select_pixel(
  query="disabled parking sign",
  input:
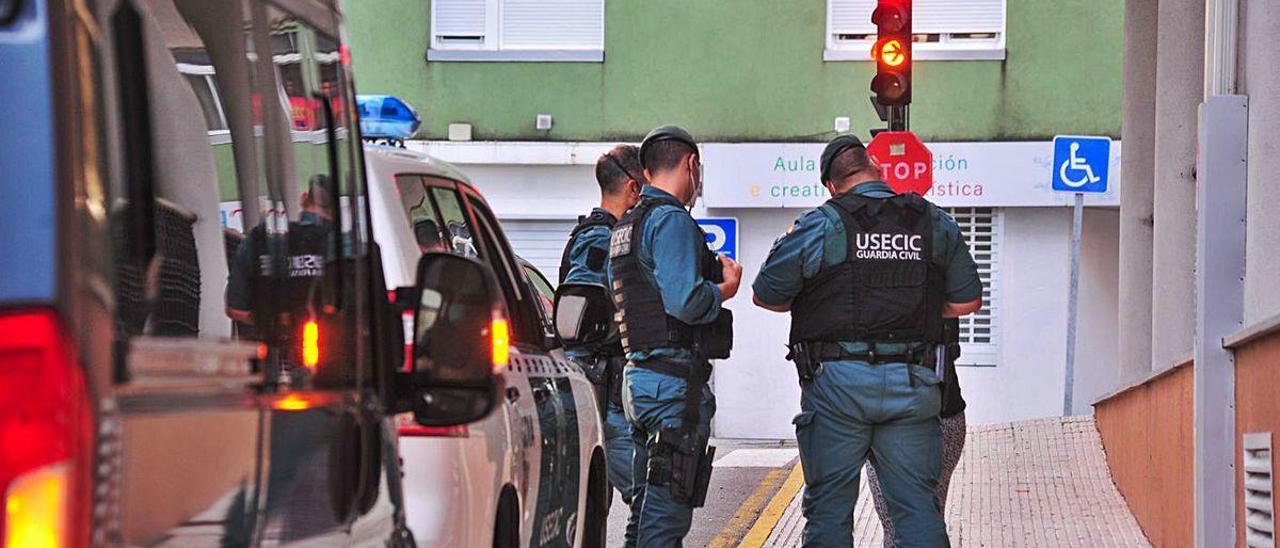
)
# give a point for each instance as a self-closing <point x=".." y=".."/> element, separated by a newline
<point x="1081" y="164"/>
<point x="722" y="235"/>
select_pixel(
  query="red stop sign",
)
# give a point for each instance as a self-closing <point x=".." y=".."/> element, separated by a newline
<point x="905" y="163"/>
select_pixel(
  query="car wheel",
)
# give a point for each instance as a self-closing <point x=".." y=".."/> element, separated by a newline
<point x="506" y="526"/>
<point x="596" y="522"/>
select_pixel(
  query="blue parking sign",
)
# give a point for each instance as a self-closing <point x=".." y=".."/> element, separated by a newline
<point x="1081" y="164"/>
<point x="722" y="235"/>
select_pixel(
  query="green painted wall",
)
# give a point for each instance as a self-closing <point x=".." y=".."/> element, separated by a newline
<point x="749" y="70"/>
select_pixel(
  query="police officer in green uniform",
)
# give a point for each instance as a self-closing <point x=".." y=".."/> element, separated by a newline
<point x="868" y="278"/>
<point x="586" y="261"/>
<point x="669" y="288"/>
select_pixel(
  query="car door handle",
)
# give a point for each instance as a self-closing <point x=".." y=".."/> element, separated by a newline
<point x="513" y="394"/>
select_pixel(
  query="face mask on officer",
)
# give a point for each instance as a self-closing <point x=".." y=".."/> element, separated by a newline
<point x="695" y="180"/>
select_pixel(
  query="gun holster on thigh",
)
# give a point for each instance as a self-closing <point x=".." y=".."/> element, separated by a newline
<point x="687" y="459"/>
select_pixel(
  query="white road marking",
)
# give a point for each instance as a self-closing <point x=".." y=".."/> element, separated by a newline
<point x="758" y="458"/>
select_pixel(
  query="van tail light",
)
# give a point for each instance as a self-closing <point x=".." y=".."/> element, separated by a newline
<point x="409" y="428"/>
<point x="45" y="432"/>
<point x="500" y="331"/>
<point x="311" y="344"/>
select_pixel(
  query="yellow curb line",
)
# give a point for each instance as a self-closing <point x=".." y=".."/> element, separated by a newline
<point x="759" y="532"/>
<point x="748" y="510"/>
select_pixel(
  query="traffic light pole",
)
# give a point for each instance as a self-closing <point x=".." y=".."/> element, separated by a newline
<point x="899" y="117"/>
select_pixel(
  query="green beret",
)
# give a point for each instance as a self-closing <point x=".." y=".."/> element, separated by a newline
<point x="665" y="133"/>
<point x="840" y="144"/>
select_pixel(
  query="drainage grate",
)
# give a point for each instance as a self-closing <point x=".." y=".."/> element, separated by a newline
<point x="1259" y="507"/>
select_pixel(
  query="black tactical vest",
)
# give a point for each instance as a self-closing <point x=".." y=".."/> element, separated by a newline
<point x="596" y="218"/>
<point x="887" y="290"/>
<point x="289" y="273"/>
<point x="644" y="324"/>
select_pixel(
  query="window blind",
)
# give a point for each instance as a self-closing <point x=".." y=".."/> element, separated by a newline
<point x="853" y="17"/>
<point x="552" y="24"/>
<point x="459" y="19"/>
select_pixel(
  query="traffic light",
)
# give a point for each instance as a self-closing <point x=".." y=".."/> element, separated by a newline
<point x="892" y="52"/>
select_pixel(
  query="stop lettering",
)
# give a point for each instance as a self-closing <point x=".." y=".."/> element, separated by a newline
<point x="905" y="163"/>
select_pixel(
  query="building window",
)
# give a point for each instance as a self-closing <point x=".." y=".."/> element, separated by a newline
<point x="943" y="29"/>
<point x="983" y="228"/>
<point x="517" y="30"/>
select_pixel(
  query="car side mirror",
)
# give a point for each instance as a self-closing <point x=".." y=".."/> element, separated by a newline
<point x="460" y="342"/>
<point x="583" y="313"/>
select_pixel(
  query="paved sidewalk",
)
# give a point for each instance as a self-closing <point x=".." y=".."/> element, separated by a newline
<point x="1034" y="483"/>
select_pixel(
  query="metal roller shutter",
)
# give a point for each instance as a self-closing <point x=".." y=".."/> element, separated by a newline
<point x="983" y="230"/>
<point x="540" y="242"/>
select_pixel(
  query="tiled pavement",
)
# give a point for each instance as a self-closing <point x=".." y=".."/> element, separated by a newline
<point x="1035" y="483"/>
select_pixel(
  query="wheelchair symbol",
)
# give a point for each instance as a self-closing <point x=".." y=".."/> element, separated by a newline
<point x="1076" y="164"/>
<point x="716" y="236"/>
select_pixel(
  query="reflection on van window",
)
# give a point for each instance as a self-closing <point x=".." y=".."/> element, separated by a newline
<point x="234" y="212"/>
<point x="167" y="214"/>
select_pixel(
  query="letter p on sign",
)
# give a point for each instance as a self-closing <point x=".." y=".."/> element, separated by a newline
<point x="905" y="163"/>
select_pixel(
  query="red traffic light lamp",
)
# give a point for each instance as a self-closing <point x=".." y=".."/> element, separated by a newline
<point x="892" y="52"/>
<point x="891" y="86"/>
<point x="892" y="16"/>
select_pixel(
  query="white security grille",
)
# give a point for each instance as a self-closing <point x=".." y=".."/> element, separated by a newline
<point x="1259" y="506"/>
<point x="983" y="229"/>
<point x="518" y="25"/>
<point x="938" y="25"/>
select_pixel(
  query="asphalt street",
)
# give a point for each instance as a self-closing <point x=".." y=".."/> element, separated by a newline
<point x="746" y="476"/>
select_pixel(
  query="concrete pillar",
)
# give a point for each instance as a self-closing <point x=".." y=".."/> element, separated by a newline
<point x="1180" y="81"/>
<point x="1137" y="165"/>
<point x="1259" y="79"/>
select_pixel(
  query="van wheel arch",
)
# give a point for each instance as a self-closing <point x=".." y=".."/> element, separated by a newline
<point x="595" y="521"/>
<point x="506" y="521"/>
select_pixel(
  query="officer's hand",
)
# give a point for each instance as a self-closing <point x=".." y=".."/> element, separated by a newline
<point x="732" y="277"/>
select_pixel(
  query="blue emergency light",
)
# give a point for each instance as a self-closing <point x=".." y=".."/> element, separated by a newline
<point x="386" y="117"/>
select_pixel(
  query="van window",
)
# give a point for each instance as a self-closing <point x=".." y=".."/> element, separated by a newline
<point x="177" y="192"/>
<point x="526" y="324"/>
<point x="424" y="217"/>
<point x="228" y="221"/>
<point x="544" y="294"/>
<point x="455" y="222"/>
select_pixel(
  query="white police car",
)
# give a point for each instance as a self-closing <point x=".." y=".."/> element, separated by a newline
<point x="533" y="472"/>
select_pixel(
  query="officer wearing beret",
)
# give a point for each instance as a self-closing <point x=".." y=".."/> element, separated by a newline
<point x="669" y="288"/>
<point x="586" y="260"/>
<point x="868" y="278"/>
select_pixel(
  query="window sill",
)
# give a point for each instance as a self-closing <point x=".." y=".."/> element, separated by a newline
<point x="978" y="355"/>
<point x="968" y="54"/>
<point x="515" y="56"/>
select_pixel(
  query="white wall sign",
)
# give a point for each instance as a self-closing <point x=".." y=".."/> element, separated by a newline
<point x="977" y="174"/>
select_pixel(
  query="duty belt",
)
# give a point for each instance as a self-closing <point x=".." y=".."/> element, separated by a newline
<point x="823" y="351"/>
<point x="809" y="357"/>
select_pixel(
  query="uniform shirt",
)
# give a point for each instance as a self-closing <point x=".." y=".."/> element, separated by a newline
<point x="670" y="250"/>
<point x="818" y="241"/>
<point x="591" y="240"/>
